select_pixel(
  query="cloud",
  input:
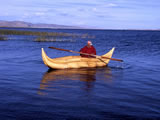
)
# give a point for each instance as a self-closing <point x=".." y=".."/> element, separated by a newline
<point x="94" y="9"/>
<point x="39" y="13"/>
<point x="112" y="5"/>
<point x="101" y="13"/>
<point x="80" y="23"/>
<point x="109" y="5"/>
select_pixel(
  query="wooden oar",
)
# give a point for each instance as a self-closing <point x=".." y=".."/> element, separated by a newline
<point x="86" y="54"/>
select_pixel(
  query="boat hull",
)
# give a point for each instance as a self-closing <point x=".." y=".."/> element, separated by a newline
<point x="75" y="61"/>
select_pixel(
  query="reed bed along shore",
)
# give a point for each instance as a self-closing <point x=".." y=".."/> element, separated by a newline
<point x="33" y="33"/>
<point x="54" y="39"/>
<point x="44" y="36"/>
<point x="2" y="37"/>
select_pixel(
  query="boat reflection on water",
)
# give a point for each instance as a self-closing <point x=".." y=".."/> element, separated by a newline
<point x="86" y="75"/>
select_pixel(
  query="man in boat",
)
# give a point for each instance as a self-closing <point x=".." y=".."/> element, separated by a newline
<point x="89" y="49"/>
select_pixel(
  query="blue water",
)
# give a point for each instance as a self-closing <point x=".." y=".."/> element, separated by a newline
<point x="129" y="90"/>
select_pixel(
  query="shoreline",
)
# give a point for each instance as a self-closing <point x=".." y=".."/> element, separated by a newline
<point x="81" y="29"/>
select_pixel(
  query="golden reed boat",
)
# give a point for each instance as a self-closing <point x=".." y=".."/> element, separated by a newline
<point x="76" y="61"/>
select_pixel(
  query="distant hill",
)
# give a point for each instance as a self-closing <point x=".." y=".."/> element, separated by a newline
<point x="22" y="24"/>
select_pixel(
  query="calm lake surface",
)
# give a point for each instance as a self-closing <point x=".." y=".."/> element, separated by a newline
<point x="129" y="90"/>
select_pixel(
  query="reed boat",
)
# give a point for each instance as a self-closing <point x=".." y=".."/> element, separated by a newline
<point x="68" y="62"/>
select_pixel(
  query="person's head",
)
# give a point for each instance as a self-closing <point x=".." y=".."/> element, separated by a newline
<point x="89" y="43"/>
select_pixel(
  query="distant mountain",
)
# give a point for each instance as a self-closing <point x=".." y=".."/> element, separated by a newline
<point x="31" y="25"/>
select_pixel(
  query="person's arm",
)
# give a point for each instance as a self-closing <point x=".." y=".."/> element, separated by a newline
<point x="83" y="50"/>
<point x="94" y="50"/>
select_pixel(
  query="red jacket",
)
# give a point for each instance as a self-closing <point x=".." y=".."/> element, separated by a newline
<point x="89" y="50"/>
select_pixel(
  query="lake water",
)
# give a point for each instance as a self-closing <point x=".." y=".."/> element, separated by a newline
<point x="129" y="90"/>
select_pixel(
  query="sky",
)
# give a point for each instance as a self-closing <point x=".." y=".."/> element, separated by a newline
<point x="100" y="14"/>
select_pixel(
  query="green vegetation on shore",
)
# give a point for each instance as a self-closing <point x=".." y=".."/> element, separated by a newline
<point x="52" y="39"/>
<point x="33" y="33"/>
<point x="44" y="36"/>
